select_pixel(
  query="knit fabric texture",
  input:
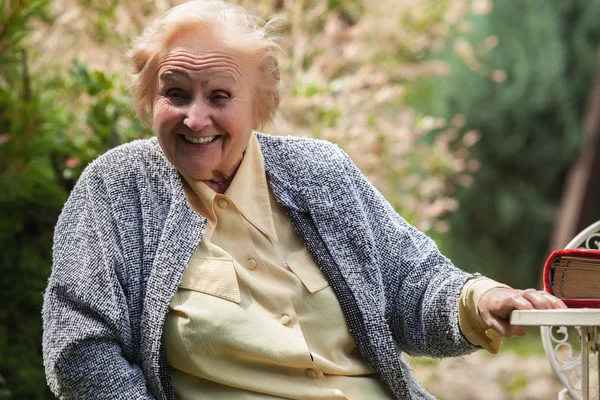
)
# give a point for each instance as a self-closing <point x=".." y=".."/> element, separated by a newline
<point x="127" y="232"/>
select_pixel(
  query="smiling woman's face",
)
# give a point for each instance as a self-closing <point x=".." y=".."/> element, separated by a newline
<point x="202" y="110"/>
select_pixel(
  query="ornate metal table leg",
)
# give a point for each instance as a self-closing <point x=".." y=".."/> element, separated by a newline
<point x="585" y="364"/>
<point x="595" y="342"/>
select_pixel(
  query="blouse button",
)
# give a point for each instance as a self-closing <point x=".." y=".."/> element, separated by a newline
<point x="251" y="264"/>
<point x="311" y="373"/>
<point x="223" y="203"/>
<point x="284" y="320"/>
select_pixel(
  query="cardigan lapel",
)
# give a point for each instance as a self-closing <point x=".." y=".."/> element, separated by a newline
<point x="332" y="223"/>
<point x="178" y="238"/>
<point x="360" y="297"/>
<point x="338" y="218"/>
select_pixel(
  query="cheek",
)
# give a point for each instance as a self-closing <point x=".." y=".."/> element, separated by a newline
<point x="242" y="115"/>
<point x="162" y="115"/>
<point x="237" y="112"/>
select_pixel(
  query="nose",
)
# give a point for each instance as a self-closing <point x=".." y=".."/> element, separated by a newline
<point x="198" y="116"/>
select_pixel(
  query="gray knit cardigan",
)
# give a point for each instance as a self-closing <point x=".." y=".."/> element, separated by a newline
<point x="126" y="233"/>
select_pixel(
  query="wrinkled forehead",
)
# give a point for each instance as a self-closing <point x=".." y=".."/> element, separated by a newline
<point x="200" y="53"/>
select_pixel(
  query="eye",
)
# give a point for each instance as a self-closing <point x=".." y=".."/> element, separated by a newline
<point x="219" y="97"/>
<point x="176" y="95"/>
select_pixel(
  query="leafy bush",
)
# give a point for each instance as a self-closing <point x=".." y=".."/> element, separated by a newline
<point x="51" y="126"/>
<point x="30" y="201"/>
<point x="521" y="76"/>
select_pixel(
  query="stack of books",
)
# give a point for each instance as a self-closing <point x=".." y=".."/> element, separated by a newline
<point x="573" y="275"/>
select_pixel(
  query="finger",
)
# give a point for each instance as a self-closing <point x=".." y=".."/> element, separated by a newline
<point x="519" y="302"/>
<point x="555" y="301"/>
<point x="505" y="329"/>
<point x="512" y="331"/>
<point x="515" y="301"/>
<point x="537" y="299"/>
<point x="542" y="300"/>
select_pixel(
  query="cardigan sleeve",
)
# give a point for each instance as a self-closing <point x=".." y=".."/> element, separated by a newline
<point x="86" y="336"/>
<point x="421" y="286"/>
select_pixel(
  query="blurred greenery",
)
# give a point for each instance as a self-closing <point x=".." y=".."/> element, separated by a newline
<point x="465" y="117"/>
<point x="530" y="344"/>
<point x="520" y="75"/>
<point x="30" y="201"/>
<point x="51" y="126"/>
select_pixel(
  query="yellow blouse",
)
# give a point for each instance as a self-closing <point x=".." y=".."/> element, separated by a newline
<point x="254" y="317"/>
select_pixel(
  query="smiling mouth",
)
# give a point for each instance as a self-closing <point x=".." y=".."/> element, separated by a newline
<point x="200" y="140"/>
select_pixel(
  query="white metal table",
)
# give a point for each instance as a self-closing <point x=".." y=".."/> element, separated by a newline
<point x="587" y="322"/>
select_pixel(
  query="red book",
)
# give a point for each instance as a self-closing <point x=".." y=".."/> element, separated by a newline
<point x="573" y="275"/>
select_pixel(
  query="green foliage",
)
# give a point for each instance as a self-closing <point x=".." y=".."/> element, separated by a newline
<point x="105" y="119"/>
<point x="29" y="205"/>
<point x="47" y="136"/>
<point x="526" y="96"/>
<point x="525" y="346"/>
<point x="346" y="6"/>
<point x="100" y="15"/>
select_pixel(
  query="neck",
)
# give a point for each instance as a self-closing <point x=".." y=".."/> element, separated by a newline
<point x="221" y="182"/>
<point x="219" y="186"/>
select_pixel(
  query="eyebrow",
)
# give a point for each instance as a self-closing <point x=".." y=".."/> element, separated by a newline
<point x="173" y="77"/>
<point x="170" y="77"/>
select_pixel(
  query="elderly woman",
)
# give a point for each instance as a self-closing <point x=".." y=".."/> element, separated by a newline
<point x="216" y="262"/>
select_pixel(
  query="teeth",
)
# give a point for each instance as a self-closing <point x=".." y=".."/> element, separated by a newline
<point x="202" y="140"/>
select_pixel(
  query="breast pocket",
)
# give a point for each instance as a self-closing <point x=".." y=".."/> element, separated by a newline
<point x="214" y="276"/>
<point x="306" y="269"/>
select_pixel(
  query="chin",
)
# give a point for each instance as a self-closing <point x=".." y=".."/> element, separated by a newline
<point x="196" y="171"/>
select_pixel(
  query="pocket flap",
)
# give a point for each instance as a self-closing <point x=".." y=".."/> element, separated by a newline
<point x="214" y="276"/>
<point x="305" y="268"/>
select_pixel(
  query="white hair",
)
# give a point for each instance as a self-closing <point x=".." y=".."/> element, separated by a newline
<point x="240" y="31"/>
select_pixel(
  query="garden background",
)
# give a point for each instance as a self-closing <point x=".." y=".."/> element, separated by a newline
<point x="478" y="119"/>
